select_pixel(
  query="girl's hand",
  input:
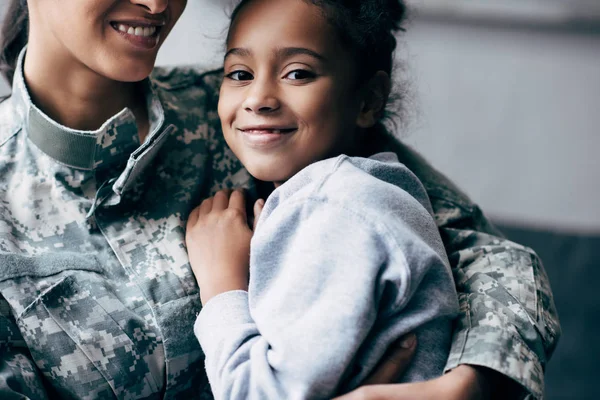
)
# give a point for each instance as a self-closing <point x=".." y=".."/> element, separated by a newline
<point x="218" y="242"/>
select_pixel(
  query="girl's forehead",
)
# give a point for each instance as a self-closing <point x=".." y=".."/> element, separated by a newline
<point x="264" y="22"/>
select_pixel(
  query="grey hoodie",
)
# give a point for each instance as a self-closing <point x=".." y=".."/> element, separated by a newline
<point x="345" y="259"/>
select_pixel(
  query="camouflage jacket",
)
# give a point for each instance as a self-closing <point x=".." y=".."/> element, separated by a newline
<point x="97" y="299"/>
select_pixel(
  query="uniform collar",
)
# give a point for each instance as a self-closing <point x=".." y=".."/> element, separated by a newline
<point x="107" y="146"/>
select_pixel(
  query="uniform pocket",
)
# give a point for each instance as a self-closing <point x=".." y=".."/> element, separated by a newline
<point x="81" y="335"/>
<point x="19" y="266"/>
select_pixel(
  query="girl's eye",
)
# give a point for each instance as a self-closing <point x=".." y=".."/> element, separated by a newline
<point x="299" y="74"/>
<point x="240" y="76"/>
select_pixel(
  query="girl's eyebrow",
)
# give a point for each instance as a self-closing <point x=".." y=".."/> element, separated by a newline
<point x="238" y="51"/>
<point x="284" y="52"/>
<point x="287" y="52"/>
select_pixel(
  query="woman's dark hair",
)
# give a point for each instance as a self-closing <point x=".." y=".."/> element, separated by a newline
<point x="368" y="28"/>
<point x="13" y="36"/>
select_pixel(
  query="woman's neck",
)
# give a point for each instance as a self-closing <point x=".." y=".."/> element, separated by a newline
<point x="78" y="97"/>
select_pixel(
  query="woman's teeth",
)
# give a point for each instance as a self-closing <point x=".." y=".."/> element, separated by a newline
<point x="145" y="31"/>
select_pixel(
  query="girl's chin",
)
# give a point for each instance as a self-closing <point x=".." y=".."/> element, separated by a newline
<point x="272" y="168"/>
<point x="269" y="175"/>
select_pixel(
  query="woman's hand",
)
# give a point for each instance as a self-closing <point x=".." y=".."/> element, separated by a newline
<point x="218" y="242"/>
<point x="462" y="383"/>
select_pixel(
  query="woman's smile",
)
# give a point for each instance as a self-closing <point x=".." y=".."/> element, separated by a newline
<point x="141" y="34"/>
<point x="113" y="39"/>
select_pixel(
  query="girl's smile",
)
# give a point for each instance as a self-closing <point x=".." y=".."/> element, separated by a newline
<point x="266" y="137"/>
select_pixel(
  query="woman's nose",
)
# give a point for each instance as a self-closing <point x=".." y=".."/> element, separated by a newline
<point x="153" y="6"/>
<point x="261" y="99"/>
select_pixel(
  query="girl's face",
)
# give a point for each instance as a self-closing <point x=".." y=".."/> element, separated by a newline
<point x="289" y="96"/>
<point x="118" y="39"/>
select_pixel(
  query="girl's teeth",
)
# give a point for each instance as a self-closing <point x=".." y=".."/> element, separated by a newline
<point x="145" y="31"/>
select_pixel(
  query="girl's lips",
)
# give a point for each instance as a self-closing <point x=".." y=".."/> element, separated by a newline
<point x="261" y="138"/>
<point x="268" y="130"/>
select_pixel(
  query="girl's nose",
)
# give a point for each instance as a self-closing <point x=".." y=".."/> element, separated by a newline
<point x="261" y="100"/>
<point x="153" y="6"/>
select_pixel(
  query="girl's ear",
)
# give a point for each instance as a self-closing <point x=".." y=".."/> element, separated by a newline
<point x="375" y="96"/>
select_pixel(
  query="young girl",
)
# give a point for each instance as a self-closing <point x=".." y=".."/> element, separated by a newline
<point x="345" y="257"/>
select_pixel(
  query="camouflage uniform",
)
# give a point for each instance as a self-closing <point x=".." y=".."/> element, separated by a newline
<point x="97" y="299"/>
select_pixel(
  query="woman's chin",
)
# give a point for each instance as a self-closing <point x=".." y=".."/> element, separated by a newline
<point x="134" y="72"/>
<point x="134" y="76"/>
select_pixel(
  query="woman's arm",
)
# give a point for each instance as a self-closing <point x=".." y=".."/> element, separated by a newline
<point x="19" y="376"/>
<point x="508" y="322"/>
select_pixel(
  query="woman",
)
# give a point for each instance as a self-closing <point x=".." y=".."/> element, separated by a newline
<point x="99" y="168"/>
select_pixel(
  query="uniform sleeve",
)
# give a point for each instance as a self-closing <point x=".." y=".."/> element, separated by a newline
<point x="19" y="376"/>
<point x="508" y="319"/>
<point x="314" y="298"/>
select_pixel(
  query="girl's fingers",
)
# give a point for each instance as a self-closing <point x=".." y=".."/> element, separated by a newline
<point x="205" y="207"/>
<point x="193" y="217"/>
<point x="258" y="207"/>
<point x="237" y="200"/>
<point x="221" y="200"/>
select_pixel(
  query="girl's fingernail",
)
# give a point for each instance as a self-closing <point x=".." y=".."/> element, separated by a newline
<point x="408" y="341"/>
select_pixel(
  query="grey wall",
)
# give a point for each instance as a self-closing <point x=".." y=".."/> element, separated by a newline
<point x="509" y="114"/>
<point x="512" y="116"/>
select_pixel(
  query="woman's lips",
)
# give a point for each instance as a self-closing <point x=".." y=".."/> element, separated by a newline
<point x="141" y="35"/>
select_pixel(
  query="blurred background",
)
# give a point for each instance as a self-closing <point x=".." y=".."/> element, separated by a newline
<point x="506" y="102"/>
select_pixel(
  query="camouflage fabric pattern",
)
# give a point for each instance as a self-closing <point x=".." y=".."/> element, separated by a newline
<point x="101" y="304"/>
